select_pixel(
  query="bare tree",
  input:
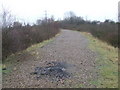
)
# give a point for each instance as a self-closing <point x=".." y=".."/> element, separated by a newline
<point x="6" y="18"/>
<point x="119" y="11"/>
<point x="69" y="14"/>
<point x="71" y="18"/>
<point x="39" y="21"/>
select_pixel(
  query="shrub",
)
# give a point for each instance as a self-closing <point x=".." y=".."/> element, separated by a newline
<point x="107" y="31"/>
<point x="15" y="39"/>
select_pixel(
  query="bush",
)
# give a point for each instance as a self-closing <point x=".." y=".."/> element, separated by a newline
<point x="107" y="31"/>
<point x="15" y="39"/>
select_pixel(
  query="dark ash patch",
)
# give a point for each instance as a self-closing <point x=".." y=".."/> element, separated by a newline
<point x="53" y="70"/>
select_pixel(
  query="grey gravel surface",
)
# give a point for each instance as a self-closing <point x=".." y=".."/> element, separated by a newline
<point x="70" y="47"/>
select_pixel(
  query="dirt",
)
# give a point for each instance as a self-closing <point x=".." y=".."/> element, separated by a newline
<point x="70" y="47"/>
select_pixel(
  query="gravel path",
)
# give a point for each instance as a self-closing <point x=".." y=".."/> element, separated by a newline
<point x="70" y="47"/>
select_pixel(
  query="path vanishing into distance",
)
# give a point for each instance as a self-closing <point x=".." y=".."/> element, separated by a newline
<point x="70" y="48"/>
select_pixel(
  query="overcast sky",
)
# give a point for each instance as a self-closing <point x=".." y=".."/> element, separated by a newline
<point x="30" y="10"/>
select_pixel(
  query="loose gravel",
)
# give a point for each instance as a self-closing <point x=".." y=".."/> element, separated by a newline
<point x="70" y="47"/>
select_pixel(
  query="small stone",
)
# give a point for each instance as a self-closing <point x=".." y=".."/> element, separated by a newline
<point x="14" y="68"/>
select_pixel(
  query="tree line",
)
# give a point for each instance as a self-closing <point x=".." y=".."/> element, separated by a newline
<point x="18" y="36"/>
<point x="106" y="31"/>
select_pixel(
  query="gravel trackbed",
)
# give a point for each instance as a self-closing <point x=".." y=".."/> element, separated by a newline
<point x="70" y="47"/>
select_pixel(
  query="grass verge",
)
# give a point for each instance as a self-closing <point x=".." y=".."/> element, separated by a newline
<point x="107" y="62"/>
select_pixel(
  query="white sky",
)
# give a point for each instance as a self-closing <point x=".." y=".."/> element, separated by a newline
<point x="30" y="10"/>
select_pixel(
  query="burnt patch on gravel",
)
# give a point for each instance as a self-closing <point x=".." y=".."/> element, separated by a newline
<point x="53" y="70"/>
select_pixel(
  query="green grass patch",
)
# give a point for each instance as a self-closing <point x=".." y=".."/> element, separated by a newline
<point x="107" y="62"/>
